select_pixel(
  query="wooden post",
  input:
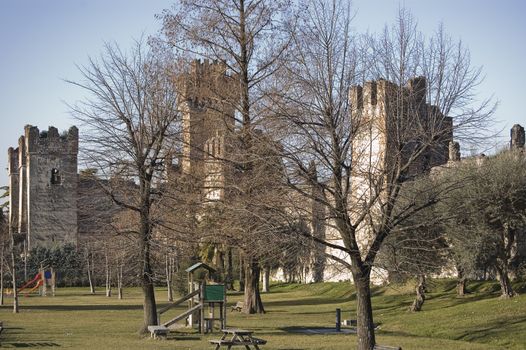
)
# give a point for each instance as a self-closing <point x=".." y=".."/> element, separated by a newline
<point x="338" y="320"/>
<point x="42" y="288"/>
<point x="223" y="309"/>
<point x="202" y="310"/>
<point x="212" y="316"/>
<point x="191" y="300"/>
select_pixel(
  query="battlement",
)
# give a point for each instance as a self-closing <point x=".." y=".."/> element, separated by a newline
<point x="49" y="141"/>
<point x="517" y="137"/>
<point x="374" y="93"/>
<point x="12" y="159"/>
<point x="207" y="68"/>
<point x="205" y="82"/>
<point x="454" y="151"/>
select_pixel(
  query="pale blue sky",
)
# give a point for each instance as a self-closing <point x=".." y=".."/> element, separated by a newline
<point x="42" y="40"/>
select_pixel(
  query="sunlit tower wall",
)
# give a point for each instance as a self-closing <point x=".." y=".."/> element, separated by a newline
<point x="207" y="102"/>
<point x="391" y="123"/>
<point x="43" y="187"/>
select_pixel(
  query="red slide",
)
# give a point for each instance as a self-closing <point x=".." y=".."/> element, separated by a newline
<point x="39" y="283"/>
<point x="37" y="277"/>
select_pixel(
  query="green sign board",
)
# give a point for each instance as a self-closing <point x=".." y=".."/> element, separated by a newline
<point x="214" y="292"/>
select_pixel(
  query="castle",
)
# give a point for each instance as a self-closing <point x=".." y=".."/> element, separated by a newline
<point x="46" y="208"/>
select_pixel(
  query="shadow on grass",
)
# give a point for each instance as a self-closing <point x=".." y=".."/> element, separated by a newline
<point x="36" y="344"/>
<point x="306" y="301"/>
<point x="453" y="301"/>
<point x="499" y="329"/>
<point x="82" y="307"/>
<point x="183" y="337"/>
<point x="317" y="330"/>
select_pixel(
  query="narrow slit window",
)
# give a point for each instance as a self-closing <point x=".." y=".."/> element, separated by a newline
<point x="55" y="176"/>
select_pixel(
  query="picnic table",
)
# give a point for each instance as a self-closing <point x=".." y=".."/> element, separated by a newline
<point x="237" y="337"/>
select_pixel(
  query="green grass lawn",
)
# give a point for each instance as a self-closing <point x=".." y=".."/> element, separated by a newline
<point x="74" y="319"/>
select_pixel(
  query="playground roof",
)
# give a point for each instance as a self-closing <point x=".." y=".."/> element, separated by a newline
<point x="198" y="266"/>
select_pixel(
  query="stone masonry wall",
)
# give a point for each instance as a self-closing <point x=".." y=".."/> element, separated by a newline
<point x="47" y="209"/>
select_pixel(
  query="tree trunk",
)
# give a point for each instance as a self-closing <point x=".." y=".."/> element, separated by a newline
<point x="229" y="279"/>
<point x="2" y="276"/>
<point x="241" y="274"/>
<point x="219" y="262"/>
<point x="108" y="274"/>
<point x="364" y="312"/>
<point x="266" y="279"/>
<point x="420" y="294"/>
<point x="13" y="273"/>
<point x="461" y="282"/>
<point x="253" y="303"/>
<point x="169" y="274"/>
<point x="90" y="274"/>
<point x="119" y="281"/>
<point x="147" y="283"/>
<point x="506" y="290"/>
<point x="461" y="287"/>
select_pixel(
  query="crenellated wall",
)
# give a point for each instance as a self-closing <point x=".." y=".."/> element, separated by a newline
<point x="43" y="186"/>
<point x="392" y="121"/>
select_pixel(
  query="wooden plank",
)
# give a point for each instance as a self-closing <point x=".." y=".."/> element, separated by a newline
<point x="221" y="342"/>
<point x="232" y="342"/>
<point x="177" y="302"/>
<point x="183" y="315"/>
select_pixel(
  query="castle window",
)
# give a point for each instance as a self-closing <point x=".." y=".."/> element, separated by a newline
<point x="55" y="176"/>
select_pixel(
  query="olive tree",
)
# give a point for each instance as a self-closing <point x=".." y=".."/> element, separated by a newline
<point x="488" y="214"/>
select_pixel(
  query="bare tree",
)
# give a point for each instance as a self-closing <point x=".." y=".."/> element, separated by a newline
<point x="368" y="144"/>
<point x="249" y="37"/>
<point x="129" y="119"/>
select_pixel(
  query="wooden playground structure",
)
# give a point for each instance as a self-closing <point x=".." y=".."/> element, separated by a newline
<point x="206" y="304"/>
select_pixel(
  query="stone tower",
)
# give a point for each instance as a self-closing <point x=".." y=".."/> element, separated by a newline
<point x="393" y="122"/>
<point x="43" y="185"/>
<point x="517" y="137"/>
<point x="387" y="112"/>
<point x="208" y="112"/>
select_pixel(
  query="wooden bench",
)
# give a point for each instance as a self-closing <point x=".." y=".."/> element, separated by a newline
<point x="237" y="337"/>
<point x="158" y="331"/>
<point x="386" y="347"/>
<point x="238" y="307"/>
<point x="254" y="341"/>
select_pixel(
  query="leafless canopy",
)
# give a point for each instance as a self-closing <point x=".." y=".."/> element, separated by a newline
<point x="130" y="120"/>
